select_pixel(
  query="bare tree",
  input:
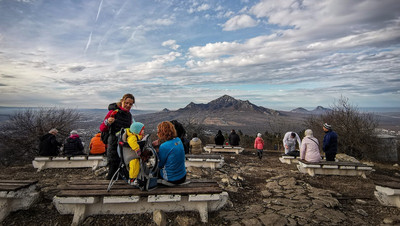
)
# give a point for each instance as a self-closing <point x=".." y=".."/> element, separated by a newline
<point x="19" y="136"/>
<point x="355" y="129"/>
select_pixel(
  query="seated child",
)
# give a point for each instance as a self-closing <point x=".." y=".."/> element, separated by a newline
<point x="134" y="134"/>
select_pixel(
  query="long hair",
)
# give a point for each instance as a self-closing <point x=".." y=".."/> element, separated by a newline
<point x="126" y="96"/>
<point x="166" y="131"/>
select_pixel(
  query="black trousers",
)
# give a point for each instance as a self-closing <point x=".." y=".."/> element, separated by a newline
<point x="330" y="156"/>
<point x="112" y="156"/>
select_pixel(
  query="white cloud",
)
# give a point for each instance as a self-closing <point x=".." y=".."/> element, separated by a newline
<point x="239" y="22"/>
<point x="203" y="7"/>
<point x="171" y="43"/>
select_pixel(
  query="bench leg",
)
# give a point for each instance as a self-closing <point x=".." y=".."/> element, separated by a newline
<point x="202" y="207"/>
<point x="311" y="172"/>
<point x="79" y="214"/>
<point x="4" y="209"/>
<point x="40" y="166"/>
<point x="95" y="165"/>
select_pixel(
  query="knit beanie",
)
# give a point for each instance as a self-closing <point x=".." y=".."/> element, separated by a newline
<point x="73" y="132"/>
<point x="136" y="127"/>
<point x="327" y="126"/>
<point x="258" y="134"/>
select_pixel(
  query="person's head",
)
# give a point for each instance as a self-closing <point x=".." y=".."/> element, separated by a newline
<point x="127" y="101"/>
<point x="219" y="132"/>
<point x="180" y="130"/>
<point x="326" y="127"/>
<point x="293" y="135"/>
<point x="258" y="134"/>
<point x="73" y="132"/>
<point x="194" y="135"/>
<point x="137" y="128"/>
<point x="233" y="131"/>
<point x="166" y="131"/>
<point x="53" y="131"/>
<point x="308" y="133"/>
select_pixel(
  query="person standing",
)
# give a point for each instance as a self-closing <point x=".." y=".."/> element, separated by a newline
<point x="118" y="117"/>
<point x="219" y="138"/>
<point x="289" y="142"/>
<point x="195" y="145"/>
<point x="73" y="145"/>
<point x="330" y="142"/>
<point x="309" y="149"/>
<point x="259" y="145"/>
<point x="234" y="139"/>
<point x="48" y="144"/>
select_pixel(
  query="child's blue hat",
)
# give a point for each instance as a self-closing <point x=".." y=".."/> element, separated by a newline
<point x="136" y="127"/>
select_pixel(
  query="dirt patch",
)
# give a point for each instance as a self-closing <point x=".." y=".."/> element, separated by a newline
<point x="261" y="192"/>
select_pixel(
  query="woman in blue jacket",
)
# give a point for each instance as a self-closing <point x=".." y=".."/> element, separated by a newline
<point x="171" y="154"/>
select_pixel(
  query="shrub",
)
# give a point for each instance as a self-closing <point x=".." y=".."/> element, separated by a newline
<point x="19" y="136"/>
<point x="355" y="129"/>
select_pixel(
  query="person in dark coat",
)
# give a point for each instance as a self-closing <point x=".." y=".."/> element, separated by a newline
<point x="181" y="133"/>
<point x="118" y="116"/>
<point x="73" y="145"/>
<point x="330" y="142"/>
<point x="219" y="138"/>
<point x="48" y="145"/>
<point x="234" y="139"/>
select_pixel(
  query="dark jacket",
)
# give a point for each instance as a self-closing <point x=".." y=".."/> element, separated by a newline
<point x="330" y="143"/>
<point x="48" y="145"/>
<point x="73" y="146"/>
<point x="234" y="139"/>
<point x="219" y="139"/>
<point x="123" y="119"/>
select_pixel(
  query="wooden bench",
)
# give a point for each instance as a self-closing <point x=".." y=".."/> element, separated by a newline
<point x="288" y="159"/>
<point x="223" y="148"/>
<point x="83" y="198"/>
<point x="91" y="161"/>
<point x="334" y="168"/>
<point x="388" y="192"/>
<point x="16" y="195"/>
<point x="205" y="161"/>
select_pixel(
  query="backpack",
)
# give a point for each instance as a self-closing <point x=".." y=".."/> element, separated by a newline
<point x="148" y="158"/>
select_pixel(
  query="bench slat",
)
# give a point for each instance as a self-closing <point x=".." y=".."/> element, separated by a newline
<point x="135" y="191"/>
<point x="106" y="182"/>
<point x="122" y="186"/>
<point x="14" y="185"/>
<point x="191" y="156"/>
<point x="333" y="163"/>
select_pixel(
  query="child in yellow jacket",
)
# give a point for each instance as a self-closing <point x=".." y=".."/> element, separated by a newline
<point x="134" y="134"/>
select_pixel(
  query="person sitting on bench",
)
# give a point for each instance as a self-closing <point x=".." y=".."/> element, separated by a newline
<point x="171" y="154"/>
<point x="289" y="142"/>
<point x="309" y="149"/>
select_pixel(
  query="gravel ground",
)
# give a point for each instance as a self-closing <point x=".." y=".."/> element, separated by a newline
<point x="252" y="199"/>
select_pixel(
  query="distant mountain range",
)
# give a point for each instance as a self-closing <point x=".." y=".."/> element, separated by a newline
<point x="224" y="113"/>
<point x="318" y="110"/>
<point x="228" y="113"/>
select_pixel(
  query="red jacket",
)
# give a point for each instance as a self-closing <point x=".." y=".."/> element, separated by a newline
<point x="259" y="143"/>
<point x="97" y="146"/>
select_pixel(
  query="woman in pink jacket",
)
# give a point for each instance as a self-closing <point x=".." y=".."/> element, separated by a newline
<point x="309" y="149"/>
<point x="259" y="145"/>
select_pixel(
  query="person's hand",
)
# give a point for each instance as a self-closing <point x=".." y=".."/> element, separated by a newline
<point x="111" y="120"/>
<point x="286" y="146"/>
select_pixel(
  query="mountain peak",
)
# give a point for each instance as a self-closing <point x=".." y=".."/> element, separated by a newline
<point x="299" y="110"/>
<point x="224" y="100"/>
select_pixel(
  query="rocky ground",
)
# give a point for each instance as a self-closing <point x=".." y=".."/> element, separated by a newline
<point x="261" y="192"/>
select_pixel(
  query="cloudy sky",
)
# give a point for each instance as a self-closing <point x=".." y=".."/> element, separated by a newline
<point x="277" y="54"/>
